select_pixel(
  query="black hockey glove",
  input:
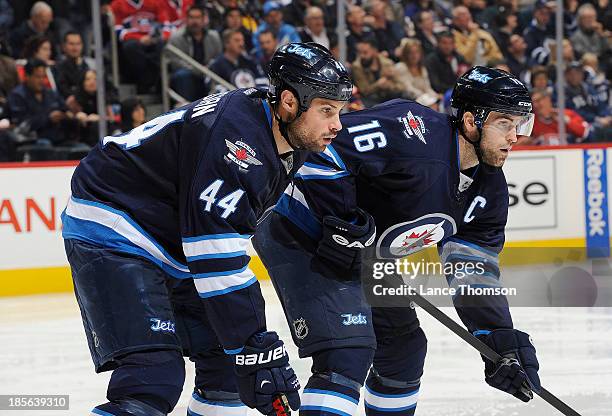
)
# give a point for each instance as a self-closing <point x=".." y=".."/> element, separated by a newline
<point x="342" y="241"/>
<point x="517" y="372"/>
<point x="263" y="373"/>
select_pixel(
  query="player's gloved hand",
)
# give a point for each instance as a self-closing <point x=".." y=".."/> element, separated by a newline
<point x="342" y="241"/>
<point x="517" y="372"/>
<point x="263" y="373"/>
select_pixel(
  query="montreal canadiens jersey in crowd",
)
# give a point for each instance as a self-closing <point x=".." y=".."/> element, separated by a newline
<point x="399" y="161"/>
<point x="185" y="190"/>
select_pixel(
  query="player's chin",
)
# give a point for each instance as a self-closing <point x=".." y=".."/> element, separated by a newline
<point x="501" y="159"/>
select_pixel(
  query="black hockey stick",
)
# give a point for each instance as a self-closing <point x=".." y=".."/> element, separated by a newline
<point x="483" y="348"/>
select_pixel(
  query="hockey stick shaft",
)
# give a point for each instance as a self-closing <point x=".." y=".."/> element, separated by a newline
<point x="483" y="348"/>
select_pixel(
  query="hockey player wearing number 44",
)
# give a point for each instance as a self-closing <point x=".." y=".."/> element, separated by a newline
<point x="423" y="178"/>
<point x="156" y="233"/>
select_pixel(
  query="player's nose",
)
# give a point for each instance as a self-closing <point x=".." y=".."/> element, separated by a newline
<point x="336" y="125"/>
<point x="512" y="137"/>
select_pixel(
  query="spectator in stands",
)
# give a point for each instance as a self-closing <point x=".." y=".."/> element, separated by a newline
<point x="414" y="7"/>
<point x="538" y="30"/>
<point x="273" y="20"/>
<point x="38" y="47"/>
<point x="233" y="20"/>
<point x="294" y="12"/>
<point x="539" y="80"/>
<point x="595" y="77"/>
<point x="357" y="30"/>
<point x="39" y="107"/>
<point x="476" y="45"/>
<point x="570" y="23"/>
<point x="582" y="98"/>
<point x="388" y="33"/>
<point x="8" y="143"/>
<point x="133" y="114"/>
<point x="142" y="29"/>
<point x="411" y="71"/>
<point x="9" y="78"/>
<point x="589" y="37"/>
<point x="445" y="65"/>
<point x="176" y="10"/>
<point x="199" y="42"/>
<point x="494" y="16"/>
<point x="546" y="128"/>
<point x="374" y="74"/>
<point x="83" y="104"/>
<point x="267" y="46"/>
<point x="70" y="70"/>
<point x="6" y="16"/>
<point x="504" y="26"/>
<point x="516" y="56"/>
<point x="235" y="66"/>
<point x="549" y="55"/>
<point x="424" y="21"/>
<point x="39" y="23"/>
<point x="314" y="27"/>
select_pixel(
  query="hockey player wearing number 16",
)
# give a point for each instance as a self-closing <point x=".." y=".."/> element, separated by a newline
<point x="156" y="233"/>
<point x="423" y="178"/>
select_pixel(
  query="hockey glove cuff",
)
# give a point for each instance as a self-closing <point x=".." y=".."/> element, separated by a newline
<point x="263" y="373"/>
<point x="343" y="241"/>
<point x="517" y="372"/>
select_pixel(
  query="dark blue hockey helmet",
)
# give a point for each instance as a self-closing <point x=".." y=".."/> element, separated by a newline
<point x="309" y="71"/>
<point x="482" y="90"/>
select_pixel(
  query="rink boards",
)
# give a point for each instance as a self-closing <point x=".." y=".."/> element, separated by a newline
<point x="558" y="199"/>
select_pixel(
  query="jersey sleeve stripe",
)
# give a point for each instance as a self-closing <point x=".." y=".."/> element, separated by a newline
<point x="220" y="285"/>
<point x="215" y="246"/>
<point x="220" y="273"/>
<point x="217" y="255"/>
<point x="93" y="221"/>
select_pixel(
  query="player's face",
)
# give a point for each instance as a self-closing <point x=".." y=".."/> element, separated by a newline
<point x="318" y="126"/>
<point x="498" y="137"/>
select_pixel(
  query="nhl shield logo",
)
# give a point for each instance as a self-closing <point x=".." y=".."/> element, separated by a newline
<point x="300" y="329"/>
<point x="406" y="238"/>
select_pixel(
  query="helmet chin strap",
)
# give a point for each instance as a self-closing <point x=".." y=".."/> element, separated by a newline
<point x="283" y="125"/>
<point x="475" y="144"/>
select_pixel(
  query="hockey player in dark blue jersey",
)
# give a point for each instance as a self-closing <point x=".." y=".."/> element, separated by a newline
<point x="423" y="178"/>
<point x="156" y="232"/>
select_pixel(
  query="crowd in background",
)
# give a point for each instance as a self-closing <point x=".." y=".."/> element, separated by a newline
<point x="414" y="49"/>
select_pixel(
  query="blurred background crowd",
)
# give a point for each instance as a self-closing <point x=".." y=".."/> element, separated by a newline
<point x="415" y="49"/>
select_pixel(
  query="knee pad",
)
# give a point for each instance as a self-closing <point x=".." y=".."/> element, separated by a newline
<point x="154" y="378"/>
<point x="337" y="377"/>
<point x="394" y="380"/>
<point x="401" y="358"/>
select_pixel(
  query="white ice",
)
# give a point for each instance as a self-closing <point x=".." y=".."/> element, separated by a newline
<point x="43" y="350"/>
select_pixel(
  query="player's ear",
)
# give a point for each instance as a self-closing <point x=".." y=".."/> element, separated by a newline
<point x="469" y="123"/>
<point x="289" y="102"/>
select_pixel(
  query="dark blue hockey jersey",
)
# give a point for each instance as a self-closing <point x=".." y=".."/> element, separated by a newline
<point x="185" y="190"/>
<point x="400" y="162"/>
